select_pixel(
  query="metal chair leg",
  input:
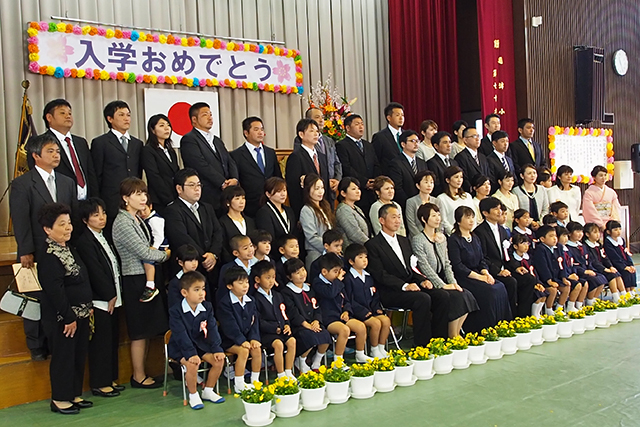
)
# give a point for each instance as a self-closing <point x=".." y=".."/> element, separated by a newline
<point x="184" y="387"/>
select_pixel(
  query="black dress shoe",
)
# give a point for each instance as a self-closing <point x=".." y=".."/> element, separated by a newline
<point x="83" y="404"/>
<point x="136" y="384"/>
<point x="98" y="392"/>
<point x="118" y="387"/>
<point x="71" y="410"/>
<point x="38" y="355"/>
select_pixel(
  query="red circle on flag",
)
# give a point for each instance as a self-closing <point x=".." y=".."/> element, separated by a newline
<point x="179" y="117"/>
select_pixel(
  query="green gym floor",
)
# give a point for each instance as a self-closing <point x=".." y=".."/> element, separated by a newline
<point x="587" y="380"/>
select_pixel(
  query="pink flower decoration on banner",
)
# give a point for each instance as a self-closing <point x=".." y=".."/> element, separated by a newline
<point x="126" y="34"/>
<point x="34" y="67"/>
<point x="276" y="88"/>
<point x="179" y="79"/>
<point x="32" y="40"/>
<point x="240" y="46"/>
<point x="609" y="139"/>
<point x="289" y="89"/>
<point x="102" y="32"/>
<point x="282" y="71"/>
<point x="58" y="48"/>
<point x="156" y="38"/>
<point x="89" y="73"/>
<point x="77" y="30"/>
<point x="67" y="72"/>
<point x="261" y="86"/>
<point x="177" y="41"/>
<point x="610" y="160"/>
<point x="160" y="79"/>
<point x="113" y="75"/>
<point x="223" y="45"/>
<point x="566" y="131"/>
<point x="139" y="78"/>
<point x="299" y="70"/>
<point x="222" y="83"/>
<point x="202" y="82"/>
<point x="44" y="26"/>
<point x="552" y="154"/>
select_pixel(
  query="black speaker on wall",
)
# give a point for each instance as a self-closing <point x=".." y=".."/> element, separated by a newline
<point x="589" y="79"/>
<point x="635" y="157"/>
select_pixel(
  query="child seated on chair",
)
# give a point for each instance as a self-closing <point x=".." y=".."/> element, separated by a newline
<point x="275" y="330"/>
<point x="365" y="300"/>
<point x="332" y="241"/>
<point x="195" y="338"/>
<point x="336" y="307"/>
<point x="243" y="251"/>
<point x="238" y="317"/>
<point x="289" y="248"/>
<point x="188" y="260"/>
<point x="261" y="240"/>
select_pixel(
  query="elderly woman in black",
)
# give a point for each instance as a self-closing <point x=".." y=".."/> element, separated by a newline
<point x="65" y="304"/>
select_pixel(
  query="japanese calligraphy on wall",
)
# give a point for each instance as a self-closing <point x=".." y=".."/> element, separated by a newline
<point x="68" y="51"/>
<point x="582" y="149"/>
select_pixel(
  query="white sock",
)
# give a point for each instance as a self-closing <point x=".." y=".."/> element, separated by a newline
<point x="302" y="364"/>
<point x="151" y="284"/>
<point x="317" y="359"/>
<point x="339" y="356"/>
<point x="288" y="373"/>
<point x="571" y="306"/>
<point x="579" y="304"/>
<point x="590" y="302"/>
<point x="255" y="376"/>
<point x="209" y="394"/>
<point x="548" y="311"/>
<point x="615" y="296"/>
<point x="195" y="401"/>
<point x="375" y="352"/>
<point x="239" y="384"/>
<point x="361" y="357"/>
<point x="381" y="350"/>
<point x="281" y="374"/>
<point x="535" y="308"/>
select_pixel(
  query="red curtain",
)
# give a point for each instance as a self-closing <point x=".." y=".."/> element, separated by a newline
<point x="497" y="69"/>
<point x="424" y="61"/>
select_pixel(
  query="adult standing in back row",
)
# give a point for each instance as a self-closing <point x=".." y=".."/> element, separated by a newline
<point x="386" y="142"/>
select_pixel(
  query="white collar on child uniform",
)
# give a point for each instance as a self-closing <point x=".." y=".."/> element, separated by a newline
<point x="236" y="300"/>
<point x="520" y="258"/>
<point x="186" y="308"/>
<point x="354" y="273"/>
<point x="297" y="290"/>
<point x="618" y="242"/>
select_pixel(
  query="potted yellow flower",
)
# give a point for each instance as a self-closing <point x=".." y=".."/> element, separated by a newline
<point x="383" y="375"/>
<point x="565" y="329"/>
<point x="403" y="368"/>
<point x="362" y="381"/>
<point x="492" y="342"/>
<point x="476" y="348"/>
<point x="257" y="404"/>
<point x="460" y="352"/>
<point x="422" y="363"/>
<point x="509" y="339"/>
<point x="535" y="324"/>
<point x="287" y="394"/>
<point x="523" y="333"/>
<point x="601" y="313"/>
<point x="635" y="308"/>
<point x="312" y="391"/>
<point x="577" y="321"/>
<point x="549" y="328"/>
<point x="337" y="381"/>
<point x="441" y="350"/>
<point x="611" y="308"/>
<point x="624" y="308"/>
<point x="589" y="318"/>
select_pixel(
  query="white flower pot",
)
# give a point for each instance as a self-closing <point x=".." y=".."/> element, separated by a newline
<point x="476" y="354"/>
<point x="536" y="337"/>
<point x="550" y="332"/>
<point x="384" y="380"/>
<point x="361" y="386"/>
<point x="589" y="323"/>
<point x="312" y="397"/>
<point x="524" y="341"/>
<point x="509" y="345"/>
<point x="579" y="326"/>
<point x="257" y="413"/>
<point x="565" y="329"/>
<point x="601" y="319"/>
<point x="287" y="404"/>
<point x="460" y="359"/>
<point x="493" y="349"/>
<point x="338" y="392"/>
<point x="612" y="316"/>
<point x="624" y="314"/>
<point x="635" y="311"/>
<point x="443" y="364"/>
<point x="423" y="369"/>
<point x="404" y="374"/>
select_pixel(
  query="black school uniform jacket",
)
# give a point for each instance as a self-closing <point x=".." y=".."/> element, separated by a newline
<point x="549" y="264"/>
<point x="238" y="324"/>
<point x="569" y="264"/>
<point x="189" y="333"/>
<point x="617" y="254"/>
<point x="273" y="316"/>
<point x="525" y="261"/>
<point x="581" y="259"/>
<point x="598" y="257"/>
<point x="333" y="299"/>
<point x="301" y="306"/>
<point x="364" y="296"/>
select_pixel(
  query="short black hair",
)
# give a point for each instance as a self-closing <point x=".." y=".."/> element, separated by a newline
<point x="183" y="174"/>
<point x="246" y="123"/>
<point x="590" y="227"/>
<point x="195" y="109"/>
<point x="187" y="253"/>
<point x="479" y="180"/>
<point x="435" y="139"/>
<point x="517" y="238"/>
<point x="353" y="250"/>
<point x="52" y="105"/>
<point x="458" y="124"/>
<point x="350" y="118"/>
<point x="111" y="108"/>
<point x="35" y="144"/>
<point x="549" y="219"/>
<point x="422" y="174"/>
<point x="489" y="203"/>
<point x="388" y="110"/>
<point x="344" y="185"/>
<point x="236" y="241"/>
<point x="191" y="278"/>
<point x="543" y="177"/>
<point x="304" y="124"/>
<point x="331" y="235"/>
<point x="574" y="226"/>
<point x="544" y="230"/>
<point x="282" y="240"/>
<point x="488" y="118"/>
<point x="499" y="134"/>
<point x="234" y="273"/>
<point x="406" y="134"/>
<point x="561" y="231"/>
<point x="50" y="212"/>
<point x="523" y="122"/>
<point x="382" y="212"/>
<point x="260" y="268"/>
<point x="330" y="261"/>
<point x="258" y="236"/>
<point x="228" y="194"/>
<point x="597" y="169"/>
<point x="556" y="206"/>
<point x="88" y="207"/>
<point x="292" y="265"/>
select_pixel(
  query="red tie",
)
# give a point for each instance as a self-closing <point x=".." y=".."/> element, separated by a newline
<point x="316" y="163"/>
<point x="74" y="161"/>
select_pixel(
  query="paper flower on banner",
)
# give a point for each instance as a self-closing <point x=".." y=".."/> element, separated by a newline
<point x="282" y="71"/>
<point x="59" y="49"/>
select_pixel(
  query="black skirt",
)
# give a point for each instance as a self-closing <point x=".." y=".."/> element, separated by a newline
<point x="460" y="303"/>
<point x="144" y="319"/>
<point x="307" y="339"/>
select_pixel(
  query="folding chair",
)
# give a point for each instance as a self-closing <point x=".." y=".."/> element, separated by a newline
<point x="405" y="319"/>
<point x="227" y="363"/>
<point x="265" y="359"/>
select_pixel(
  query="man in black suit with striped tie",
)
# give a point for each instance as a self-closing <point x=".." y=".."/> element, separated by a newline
<point x="472" y="162"/>
<point x="441" y="161"/>
<point x="387" y="141"/>
<point x="404" y="168"/>
<point x="499" y="160"/>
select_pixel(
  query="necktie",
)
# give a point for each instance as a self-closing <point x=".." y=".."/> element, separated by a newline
<point x="124" y="142"/>
<point x="414" y="166"/>
<point x="475" y="157"/>
<point x="398" y="141"/>
<point x="259" y="159"/>
<point x="531" y="151"/>
<point x="76" y="164"/>
<point x="504" y="164"/>
<point x="51" y="186"/>
<point x="321" y="145"/>
<point x="447" y="162"/>
<point x="316" y="163"/>
<point x="360" y="146"/>
<point x="195" y="212"/>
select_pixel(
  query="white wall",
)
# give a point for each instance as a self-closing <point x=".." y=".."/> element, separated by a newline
<point x="345" y="38"/>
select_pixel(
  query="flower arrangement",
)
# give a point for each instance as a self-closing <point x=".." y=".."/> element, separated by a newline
<point x="609" y="305"/>
<point x="625" y="301"/>
<point x="548" y="320"/>
<point x="581" y="132"/>
<point x="490" y="334"/>
<point x="579" y="314"/>
<point x="439" y="347"/>
<point x="334" y="106"/>
<point x="474" y="340"/>
<point x="588" y="310"/>
<point x="257" y="394"/>
<point x="520" y="325"/>
<point x="419" y="353"/>
<point x="399" y="357"/>
<point x="559" y="316"/>
<point x="599" y="306"/>
<point x="534" y="322"/>
<point x="362" y="370"/>
<point x="635" y="300"/>
<point x="336" y="373"/>
<point x="458" y="343"/>
<point x="284" y="386"/>
<point x="383" y="365"/>
<point x="311" y="380"/>
<point x="505" y="329"/>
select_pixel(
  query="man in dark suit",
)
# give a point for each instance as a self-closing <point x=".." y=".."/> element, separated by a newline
<point x="358" y="159"/>
<point x="75" y="157"/>
<point x="404" y="168"/>
<point x="255" y="162"/>
<point x="191" y="222"/>
<point x="116" y="156"/>
<point x="499" y="161"/>
<point x="472" y="162"/>
<point x="491" y="124"/>
<point x="305" y="160"/>
<point x="525" y="150"/>
<point x="207" y="154"/>
<point x="29" y="192"/>
<point x="402" y="287"/>
<point x="441" y="161"/>
<point x="386" y="142"/>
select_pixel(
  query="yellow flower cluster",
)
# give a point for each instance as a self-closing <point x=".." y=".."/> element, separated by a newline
<point x="473" y="339"/>
<point x="548" y="319"/>
<point x="361" y="370"/>
<point x="419" y="353"/>
<point x="439" y="347"/>
<point x="505" y="329"/>
<point x="560" y="316"/>
<point x="311" y="380"/>
<point x="458" y="343"/>
<point x="337" y="373"/>
<point x="490" y="334"/>
<point x="520" y="325"/>
<point x="284" y="386"/>
<point x="399" y="357"/>
<point x="383" y="365"/>
<point x="257" y="394"/>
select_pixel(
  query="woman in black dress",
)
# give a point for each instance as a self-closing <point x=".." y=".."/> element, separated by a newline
<point x="472" y="273"/>
<point x="274" y="216"/>
<point x="234" y="222"/>
<point x="65" y="303"/>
